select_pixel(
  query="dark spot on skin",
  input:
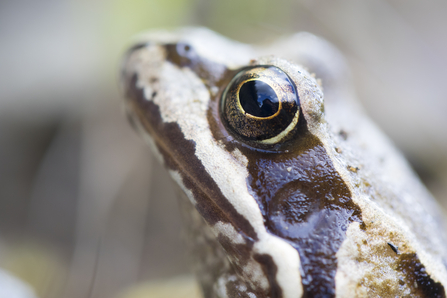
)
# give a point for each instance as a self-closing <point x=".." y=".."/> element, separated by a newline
<point x="154" y="94"/>
<point x="184" y="55"/>
<point x="343" y="134"/>
<point x="421" y="284"/>
<point x="353" y="169"/>
<point x="394" y="247"/>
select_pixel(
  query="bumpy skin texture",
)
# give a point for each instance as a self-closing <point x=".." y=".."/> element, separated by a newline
<point x="333" y="212"/>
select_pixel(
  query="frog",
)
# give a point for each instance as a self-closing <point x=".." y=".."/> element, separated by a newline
<point x="287" y="188"/>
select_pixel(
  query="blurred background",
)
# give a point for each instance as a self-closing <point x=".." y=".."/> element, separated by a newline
<point x="82" y="213"/>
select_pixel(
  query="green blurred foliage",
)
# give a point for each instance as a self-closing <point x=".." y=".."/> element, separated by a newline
<point x="127" y="17"/>
<point x="178" y="287"/>
<point x="247" y="20"/>
<point x="39" y="266"/>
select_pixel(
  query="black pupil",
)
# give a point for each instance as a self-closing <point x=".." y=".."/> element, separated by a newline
<point x="258" y="99"/>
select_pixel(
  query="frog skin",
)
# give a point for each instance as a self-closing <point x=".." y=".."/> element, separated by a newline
<point x="286" y="192"/>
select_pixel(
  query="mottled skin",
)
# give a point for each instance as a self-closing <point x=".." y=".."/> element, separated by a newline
<point x="331" y="210"/>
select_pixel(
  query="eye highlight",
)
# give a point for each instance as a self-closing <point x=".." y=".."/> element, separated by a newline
<point x="260" y="106"/>
<point x="258" y="99"/>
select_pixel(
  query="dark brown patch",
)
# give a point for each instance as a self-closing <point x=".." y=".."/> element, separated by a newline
<point x="343" y="134"/>
<point x="183" y="55"/>
<point x="239" y="252"/>
<point x="270" y="270"/>
<point x="239" y="255"/>
<point x="353" y="169"/>
<point x="393" y="247"/>
<point x="310" y="206"/>
<point x="179" y="155"/>
<point x="420" y="283"/>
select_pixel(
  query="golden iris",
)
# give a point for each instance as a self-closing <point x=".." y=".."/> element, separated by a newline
<point x="260" y="104"/>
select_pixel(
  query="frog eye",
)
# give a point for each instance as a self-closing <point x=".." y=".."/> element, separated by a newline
<point x="260" y="105"/>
